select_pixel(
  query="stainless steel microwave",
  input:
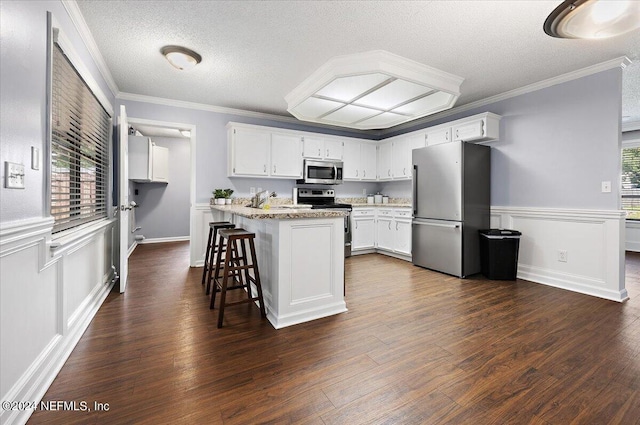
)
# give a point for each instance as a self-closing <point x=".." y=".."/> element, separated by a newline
<point x="322" y="172"/>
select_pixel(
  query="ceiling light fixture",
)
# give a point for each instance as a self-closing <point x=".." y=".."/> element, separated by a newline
<point x="593" y="18"/>
<point x="186" y="133"/>
<point x="372" y="90"/>
<point x="181" y="57"/>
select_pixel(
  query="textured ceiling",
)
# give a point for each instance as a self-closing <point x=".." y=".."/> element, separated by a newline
<point x="255" y="52"/>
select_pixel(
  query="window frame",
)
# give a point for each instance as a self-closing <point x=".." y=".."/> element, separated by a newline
<point x="57" y="35"/>
<point x="627" y="144"/>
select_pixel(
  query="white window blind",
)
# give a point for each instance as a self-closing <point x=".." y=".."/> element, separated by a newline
<point x="79" y="148"/>
<point x="631" y="182"/>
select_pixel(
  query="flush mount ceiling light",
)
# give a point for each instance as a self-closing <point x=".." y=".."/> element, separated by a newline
<point x="181" y="57"/>
<point x="372" y="90"/>
<point x="593" y="18"/>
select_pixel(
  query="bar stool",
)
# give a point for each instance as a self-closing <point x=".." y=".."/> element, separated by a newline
<point x="212" y="247"/>
<point x="234" y="268"/>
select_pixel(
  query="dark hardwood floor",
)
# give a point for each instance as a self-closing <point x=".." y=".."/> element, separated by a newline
<point x="416" y="347"/>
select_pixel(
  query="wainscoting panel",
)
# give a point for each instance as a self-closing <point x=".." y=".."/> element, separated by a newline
<point x="50" y="291"/>
<point x="592" y="239"/>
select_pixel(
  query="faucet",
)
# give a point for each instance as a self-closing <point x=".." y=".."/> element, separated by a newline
<point x="259" y="199"/>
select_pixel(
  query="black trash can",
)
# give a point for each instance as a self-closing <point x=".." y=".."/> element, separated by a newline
<point x="499" y="253"/>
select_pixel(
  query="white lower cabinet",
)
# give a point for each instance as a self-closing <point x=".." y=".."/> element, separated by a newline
<point x="385" y="228"/>
<point x="388" y="230"/>
<point x="363" y="229"/>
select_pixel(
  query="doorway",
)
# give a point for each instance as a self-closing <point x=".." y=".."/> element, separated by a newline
<point x="164" y="211"/>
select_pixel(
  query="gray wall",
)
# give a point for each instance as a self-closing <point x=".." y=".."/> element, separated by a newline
<point x="23" y="113"/>
<point x="163" y="209"/>
<point x="556" y="145"/>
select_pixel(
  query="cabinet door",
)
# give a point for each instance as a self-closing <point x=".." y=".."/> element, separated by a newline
<point x="385" y="233"/>
<point x="363" y="233"/>
<point x="415" y="142"/>
<point x="368" y="161"/>
<point x="469" y="131"/>
<point x="351" y="155"/>
<point x="139" y="158"/>
<point x="403" y="237"/>
<point x="441" y="135"/>
<point x="286" y="155"/>
<point x="400" y="159"/>
<point x="384" y="161"/>
<point x="333" y="149"/>
<point x="251" y="150"/>
<point x="313" y="147"/>
<point x="159" y="164"/>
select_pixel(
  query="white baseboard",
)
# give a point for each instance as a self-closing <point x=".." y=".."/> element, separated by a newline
<point x="163" y="240"/>
<point x="132" y="248"/>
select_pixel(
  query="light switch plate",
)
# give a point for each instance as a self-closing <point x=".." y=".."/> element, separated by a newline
<point x="606" y="187"/>
<point x="13" y="175"/>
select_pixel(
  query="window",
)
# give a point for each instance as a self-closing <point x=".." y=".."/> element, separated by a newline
<point x="631" y="182"/>
<point x="80" y="130"/>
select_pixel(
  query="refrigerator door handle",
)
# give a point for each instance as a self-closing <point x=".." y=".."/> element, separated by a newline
<point x="414" y="183"/>
<point x="451" y="226"/>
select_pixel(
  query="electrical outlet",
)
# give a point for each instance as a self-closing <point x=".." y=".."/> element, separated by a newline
<point x="562" y="256"/>
<point x="252" y="191"/>
<point x="13" y="175"/>
<point x="364" y="191"/>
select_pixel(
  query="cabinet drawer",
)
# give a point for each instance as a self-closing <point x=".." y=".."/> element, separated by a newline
<point x="402" y="214"/>
<point x="361" y="213"/>
<point x="385" y="213"/>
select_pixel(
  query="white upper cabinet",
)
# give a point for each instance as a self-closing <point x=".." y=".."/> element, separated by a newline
<point x="322" y="147"/>
<point x="481" y="128"/>
<point x="359" y="160"/>
<point x="368" y="161"/>
<point x="414" y="141"/>
<point x="250" y="152"/>
<point x="148" y="163"/>
<point x="438" y="135"/>
<point x="333" y="149"/>
<point x="286" y="155"/>
<point x="159" y="164"/>
<point x="385" y="161"/>
<point x="400" y="153"/>
<point x="255" y="151"/>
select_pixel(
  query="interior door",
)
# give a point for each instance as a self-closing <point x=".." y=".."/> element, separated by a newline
<point x="124" y="208"/>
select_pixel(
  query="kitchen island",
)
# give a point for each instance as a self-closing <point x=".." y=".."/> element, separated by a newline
<point x="300" y="259"/>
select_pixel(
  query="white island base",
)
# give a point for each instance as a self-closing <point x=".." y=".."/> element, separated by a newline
<point x="301" y="264"/>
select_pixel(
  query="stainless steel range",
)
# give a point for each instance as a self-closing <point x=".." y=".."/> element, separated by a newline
<point x="326" y="198"/>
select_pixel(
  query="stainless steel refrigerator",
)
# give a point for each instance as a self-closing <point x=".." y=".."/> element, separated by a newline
<point x="451" y="201"/>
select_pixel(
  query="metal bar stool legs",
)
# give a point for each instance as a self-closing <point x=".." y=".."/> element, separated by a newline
<point x="212" y="247"/>
<point x="233" y="271"/>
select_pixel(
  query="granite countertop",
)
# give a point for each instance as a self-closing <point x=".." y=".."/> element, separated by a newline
<point x="279" y="213"/>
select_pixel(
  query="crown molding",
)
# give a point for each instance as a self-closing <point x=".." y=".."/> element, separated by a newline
<point x="620" y="62"/>
<point x="71" y="6"/>
<point x="231" y="111"/>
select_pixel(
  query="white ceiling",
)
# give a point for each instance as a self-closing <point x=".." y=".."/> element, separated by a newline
<point x="255" y="52"/>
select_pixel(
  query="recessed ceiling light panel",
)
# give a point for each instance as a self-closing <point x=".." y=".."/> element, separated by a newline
<point x="593" y="18"/>
<point x="372" y="90"/>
